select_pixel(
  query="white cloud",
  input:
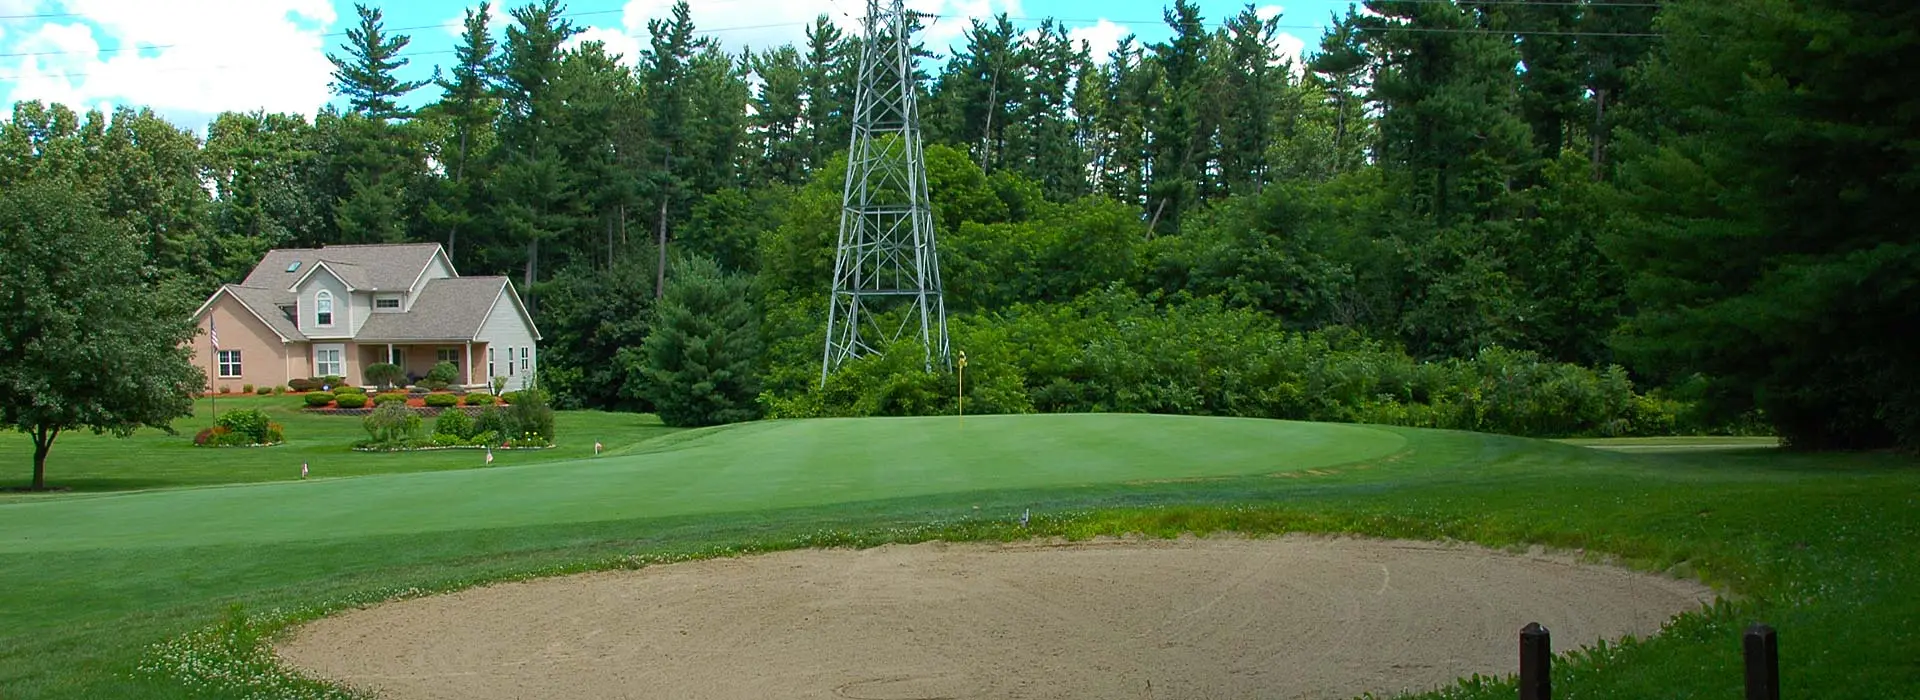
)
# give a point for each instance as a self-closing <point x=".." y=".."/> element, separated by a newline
<point x="1270" y="11"/>
<point x="763" y="24"/>
<point x="617" y="42"/>
<point x="225" y="55"/>
<point x="1293" y="49"/>
<point x="1101" y="38"/>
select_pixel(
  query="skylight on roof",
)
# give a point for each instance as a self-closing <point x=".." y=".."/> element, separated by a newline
<point x="294" y="266"/>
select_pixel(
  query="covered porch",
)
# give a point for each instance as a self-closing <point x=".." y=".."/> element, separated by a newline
<point x="417" y="358"/>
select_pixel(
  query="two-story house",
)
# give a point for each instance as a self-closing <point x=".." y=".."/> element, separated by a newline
<point x="334" y="311"/>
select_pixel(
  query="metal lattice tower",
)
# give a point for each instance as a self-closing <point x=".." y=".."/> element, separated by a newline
<point x="887" y="264"/>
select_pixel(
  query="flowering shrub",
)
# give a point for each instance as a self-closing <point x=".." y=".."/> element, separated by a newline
<point x="241" y="428"/>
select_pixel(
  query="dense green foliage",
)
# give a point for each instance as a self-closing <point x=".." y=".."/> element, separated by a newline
<point x="88" y="339"/>
<point x="1716" y="195"/>
<point x="697" y="366"/>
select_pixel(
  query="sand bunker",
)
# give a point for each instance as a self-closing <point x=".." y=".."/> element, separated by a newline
<point x="1293" y="617"/>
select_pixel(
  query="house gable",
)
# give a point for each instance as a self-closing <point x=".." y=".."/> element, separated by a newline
<point x="254" y="352"/>
<point x="511" y="339"/>
<point x="438" y="267"/>
<point x="308" y="293"/>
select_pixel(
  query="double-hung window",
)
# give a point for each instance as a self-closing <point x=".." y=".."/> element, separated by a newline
<point x="509" y="360"/>
<point x="327" y="362"/>
<point x="490" y="369"/>
<point x="523" y="360"/>
<point x="229" y="364"/>
<point x="323" y="308"/>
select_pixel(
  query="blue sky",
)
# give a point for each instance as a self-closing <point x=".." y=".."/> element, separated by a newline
<point x="191" y="59"/>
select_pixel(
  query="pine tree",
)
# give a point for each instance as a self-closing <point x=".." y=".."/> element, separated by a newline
<point x="468" y="101"/>
<point x="365" y="76"/>
<point x="699" y="364"/>
<point x="533" y="188"/>
<point x="828" y="94"/>
<point x="779" y="112"/>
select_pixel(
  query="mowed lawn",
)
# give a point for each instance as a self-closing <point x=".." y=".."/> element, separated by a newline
<point x="85" y="462"/>
<point x="1826" y="547"/>
<point x="758" y="466"/>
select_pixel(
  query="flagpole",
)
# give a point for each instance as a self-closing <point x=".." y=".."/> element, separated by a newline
<point x="213" y="364"/>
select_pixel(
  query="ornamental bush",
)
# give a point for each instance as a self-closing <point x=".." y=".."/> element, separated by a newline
<point x="319" y="399"/>
<point x="441" y="400"/>
<point x="348" y="389"/>
<point x="351" y="400"/>
<point x="264" y="390"/>
<point x="302" y="385"/>
<point x="386" y="374"/>
<point x="530" y="416"/>
<point x="455" y="422"/>
<point x="384" y="399"/>
<point x="392" y="425"/>
<point x="444" y="372"/>
<point x="479" y="398"/>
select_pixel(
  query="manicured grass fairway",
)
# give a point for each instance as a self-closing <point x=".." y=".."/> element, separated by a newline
<point x="759" y="466"/>
<point x="1826" y="547"/>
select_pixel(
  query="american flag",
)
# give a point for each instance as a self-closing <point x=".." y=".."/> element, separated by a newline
<point x="212" y="334"/>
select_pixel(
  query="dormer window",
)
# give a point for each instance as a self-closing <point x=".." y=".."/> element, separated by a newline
<point x="386" y="303"/>
<point x="323" y="308"/>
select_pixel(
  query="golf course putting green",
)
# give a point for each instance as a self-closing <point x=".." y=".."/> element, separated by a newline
<point x="748" y="467"/>
<point x="1289" y="617"/>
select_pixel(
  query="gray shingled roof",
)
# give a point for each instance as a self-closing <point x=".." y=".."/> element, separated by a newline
<point x="267" y="303"/>
<point x="447" y="309"/>
<point x="382" y="267"/>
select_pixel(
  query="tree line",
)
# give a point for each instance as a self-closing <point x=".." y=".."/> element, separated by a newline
<point x="1680" y="215"/>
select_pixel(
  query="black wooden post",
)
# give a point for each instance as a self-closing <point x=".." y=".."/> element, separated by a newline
<point x="1763" y="663"/>
<point x="1536" y="663"/>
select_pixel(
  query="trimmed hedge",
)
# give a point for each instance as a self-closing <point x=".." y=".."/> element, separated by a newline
<point x="349" y="389"/>
<point x="351" y="400"/>
<point x="384" y="399"/>
<point x="441" y="400"/>
<point x="319" y="399"/>
<point x="479" y="398"/>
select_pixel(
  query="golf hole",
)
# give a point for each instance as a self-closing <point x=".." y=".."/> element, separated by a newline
<point x="1222" y="617"/>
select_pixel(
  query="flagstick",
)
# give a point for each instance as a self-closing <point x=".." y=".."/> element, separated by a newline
<point x="963" y="389"/>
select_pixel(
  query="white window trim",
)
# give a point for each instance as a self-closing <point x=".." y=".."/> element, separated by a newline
<point x="490" y="374"/>
<point x="523" y="360"/>
<point x="340" y="363"/>
<point x="320" y="299"/>
<point x="398" y="304"/>
<point x="220" y="359"/>
<point x="509" y="360"/>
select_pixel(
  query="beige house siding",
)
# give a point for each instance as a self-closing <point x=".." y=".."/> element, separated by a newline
<point x="507" y="330"/>
<point x="261" y="352"/>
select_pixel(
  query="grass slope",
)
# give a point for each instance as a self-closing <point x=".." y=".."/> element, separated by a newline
<point x="750" y="467"/>
<point x="1826" y="547"/>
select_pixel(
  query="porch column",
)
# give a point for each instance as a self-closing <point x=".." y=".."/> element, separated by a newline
<point x="469" y="367"/>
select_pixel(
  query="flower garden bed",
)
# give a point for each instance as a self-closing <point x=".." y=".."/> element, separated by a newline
<point x="432" y="448"/>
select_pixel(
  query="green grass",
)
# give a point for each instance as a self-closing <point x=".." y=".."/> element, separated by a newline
<point x="1826" y="547"/>
<point x="85" y="462"/>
